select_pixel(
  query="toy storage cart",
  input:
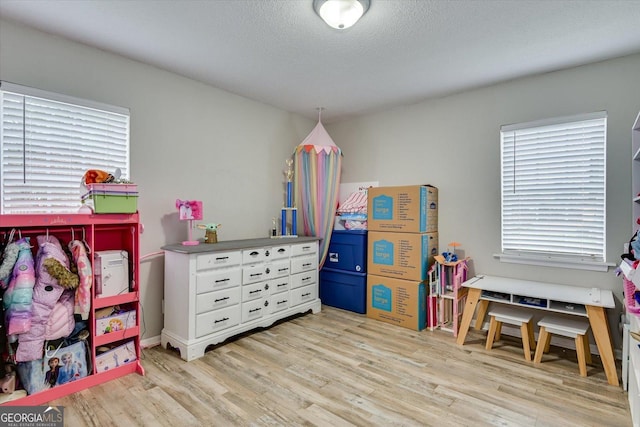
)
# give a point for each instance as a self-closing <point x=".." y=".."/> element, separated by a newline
<point x="100" y="233"/>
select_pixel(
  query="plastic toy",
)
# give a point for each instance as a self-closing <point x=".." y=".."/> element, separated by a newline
<point x="211" y="232"/>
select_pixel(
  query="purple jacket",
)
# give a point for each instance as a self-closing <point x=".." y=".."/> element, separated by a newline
<point x="46" y="294"/>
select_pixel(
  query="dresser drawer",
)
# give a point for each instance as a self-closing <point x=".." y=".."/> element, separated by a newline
<point x="304" y="263"/>
<point x="304" y="294"/>
<point x="279" y="268"/>
<point x="254" y="309"/>
<point x="278" y="252"/>
<point x="255" y="291"/>
<point x="255" y="273"/>
<point x="304" y="279"/>
<point x="215" y="260"/>
<point x="278" y="302"/>
<point x="281" y="284"/>
<point x="216" y="300"/>
<point x="214" y="280"/>
<point x="304" y="248"/>
<point x="253" y="256"/>
<point x="216" y="320"/>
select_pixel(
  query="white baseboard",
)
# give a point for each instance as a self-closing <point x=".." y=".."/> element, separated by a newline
<point x="150" y="342"/>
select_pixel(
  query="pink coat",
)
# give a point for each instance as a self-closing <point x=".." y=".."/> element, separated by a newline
<point x="46" y="294"/>
<point x="85" y="272"/>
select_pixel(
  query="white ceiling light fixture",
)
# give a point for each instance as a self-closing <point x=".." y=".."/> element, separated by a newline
<point x="341" y="14"/>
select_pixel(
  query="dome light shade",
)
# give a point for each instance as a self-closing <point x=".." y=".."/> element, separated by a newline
<point x="341" y="14"/>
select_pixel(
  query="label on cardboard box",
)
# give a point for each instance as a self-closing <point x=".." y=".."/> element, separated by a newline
<point x="398" y="302"/>
<point x="408" y="209"/>
<point x="401" y="255"/>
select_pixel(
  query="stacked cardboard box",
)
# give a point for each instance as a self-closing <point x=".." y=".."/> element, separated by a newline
<point x="402" y="243"/>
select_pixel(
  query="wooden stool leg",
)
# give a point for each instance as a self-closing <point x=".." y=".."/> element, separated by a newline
<point x="526" y="346"/>
<point x="498" y="331"/>
<point x="587" y="350"/>
<point x="493" y="325"/>
<point x="582" y="364"/>
<point x="532" y="338"/>
<point x="547" y="343"/>
<point x="543" y="340"/>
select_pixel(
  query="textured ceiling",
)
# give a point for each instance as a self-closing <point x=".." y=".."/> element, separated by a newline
<point x="401" y="52"/>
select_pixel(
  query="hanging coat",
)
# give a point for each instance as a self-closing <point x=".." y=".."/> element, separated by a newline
<point x="18" y="297"/>
<point x="46" y="294"/>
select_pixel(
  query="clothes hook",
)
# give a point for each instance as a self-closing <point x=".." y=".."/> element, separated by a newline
<point x="13" y="231"/>
<point x="73" y="234"/>
<point x="86" y="245"/>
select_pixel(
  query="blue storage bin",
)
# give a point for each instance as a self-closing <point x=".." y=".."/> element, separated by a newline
<point x="348" y="251"/>
<point x="344" y="289"/>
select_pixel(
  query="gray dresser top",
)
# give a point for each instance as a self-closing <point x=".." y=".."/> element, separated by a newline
<point x="231" y="245"/>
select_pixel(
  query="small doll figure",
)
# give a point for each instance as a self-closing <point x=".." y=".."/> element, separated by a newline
<point x="51" y="377"/>
<point x="70" y="369"/>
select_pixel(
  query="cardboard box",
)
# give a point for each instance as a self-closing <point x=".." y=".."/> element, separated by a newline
<point x="405" y="256"/>
<point x="396" y="301"/>
<point x="116" y="323"/>
<point x="409" y="209"/>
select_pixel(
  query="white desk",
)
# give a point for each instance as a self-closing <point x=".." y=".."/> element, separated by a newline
<point x="576" y="300"/>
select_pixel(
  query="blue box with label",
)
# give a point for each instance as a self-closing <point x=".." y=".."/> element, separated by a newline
<point x="344" y="289"/>
<point x="348" y="251"/>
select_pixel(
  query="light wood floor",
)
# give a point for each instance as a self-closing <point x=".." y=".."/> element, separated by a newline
<point x="338" y="368"/>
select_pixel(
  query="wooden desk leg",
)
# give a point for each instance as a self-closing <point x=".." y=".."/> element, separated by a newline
<point x="472" y="300"/>
<point x="600" y="329"/>
<point x="483" y="306"/>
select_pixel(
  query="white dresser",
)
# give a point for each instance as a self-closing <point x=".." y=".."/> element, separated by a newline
<point x="215" y="291"/>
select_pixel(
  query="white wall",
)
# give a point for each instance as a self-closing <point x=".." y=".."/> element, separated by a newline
<point x="454" y="144"/>
<point x="188" y="141"/>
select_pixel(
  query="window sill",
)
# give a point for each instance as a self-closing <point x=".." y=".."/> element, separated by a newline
<point x="552" y="261"/>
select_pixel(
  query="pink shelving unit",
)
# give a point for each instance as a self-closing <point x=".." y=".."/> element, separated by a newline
<point x="101" y="232"/>
<point x="446" y="295"/>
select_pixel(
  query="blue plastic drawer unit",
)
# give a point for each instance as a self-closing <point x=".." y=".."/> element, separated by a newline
<point x="344" y="289"/>
<point x="347" y="251"/>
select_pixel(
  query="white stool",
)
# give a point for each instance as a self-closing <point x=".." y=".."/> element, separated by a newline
<point x="503" y="314"/>
<point x="571" y="328"/>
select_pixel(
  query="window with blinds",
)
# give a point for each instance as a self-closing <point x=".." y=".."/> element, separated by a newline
<point x="553" y="191"/>
<point x="48" y="141"/>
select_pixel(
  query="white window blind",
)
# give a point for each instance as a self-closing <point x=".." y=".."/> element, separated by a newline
<point x="553" y="189"/>
<point x="48" y="141"/>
